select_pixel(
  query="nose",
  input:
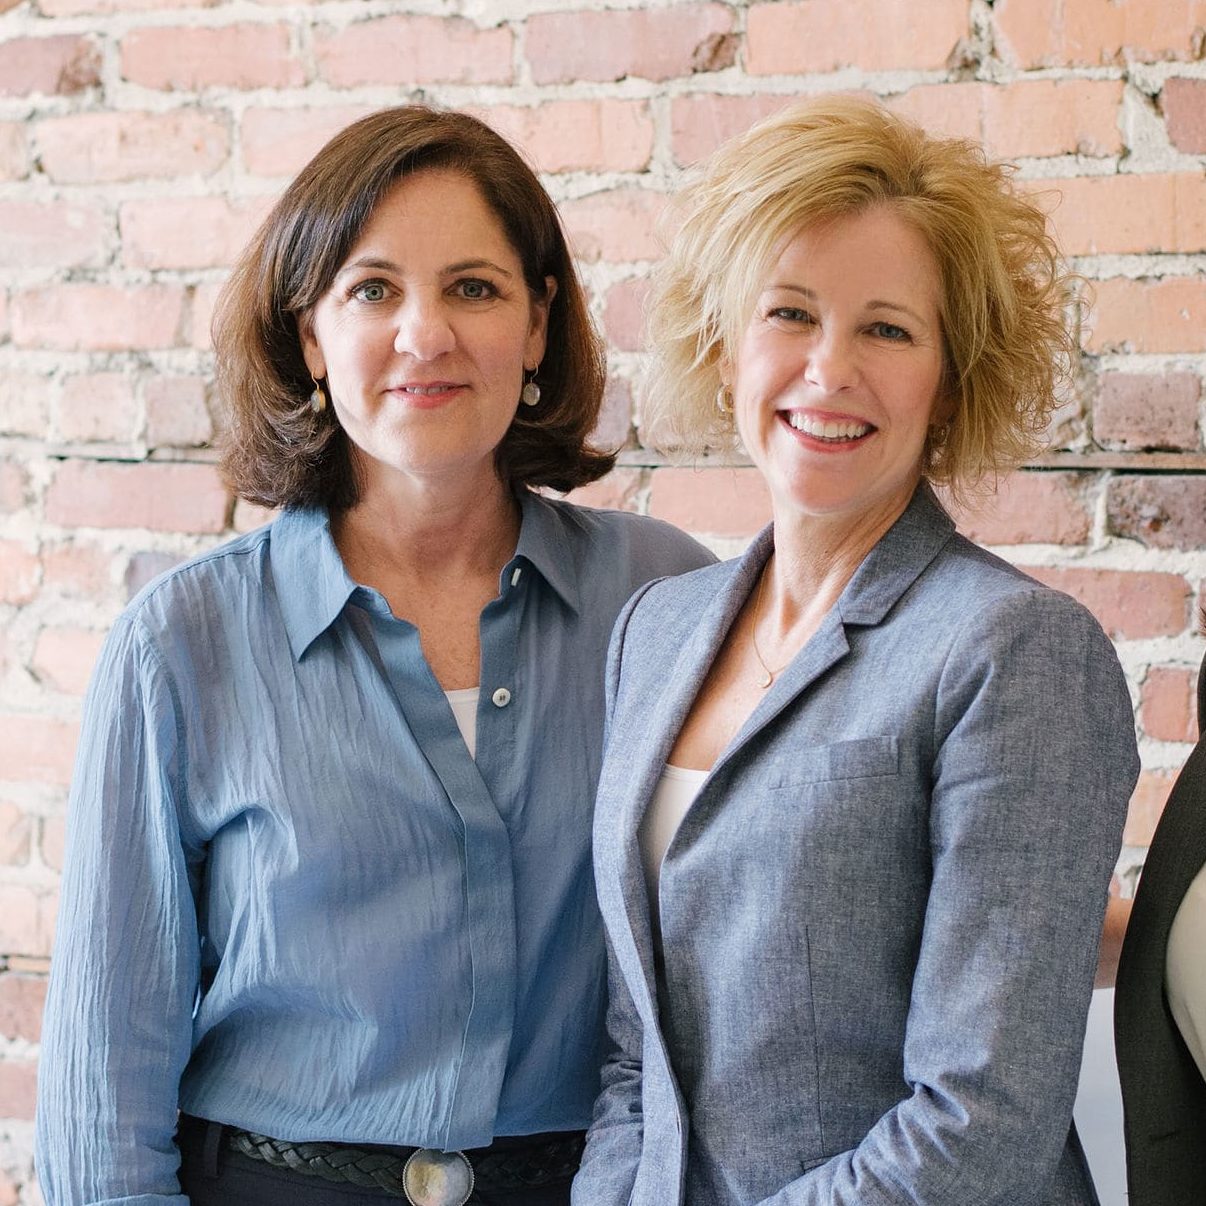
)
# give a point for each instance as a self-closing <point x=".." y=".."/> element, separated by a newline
<point x="832" y="364"/>
<point x="424" y="328"/>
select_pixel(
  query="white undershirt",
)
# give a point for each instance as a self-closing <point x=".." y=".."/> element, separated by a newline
<point x="1185" y="971"/>
<point x="464" y="709"/>
<point x="675" y="793"/>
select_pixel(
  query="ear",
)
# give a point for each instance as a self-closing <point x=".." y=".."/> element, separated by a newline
<point x="316" y="363"/>
<point x="538" y="327"/>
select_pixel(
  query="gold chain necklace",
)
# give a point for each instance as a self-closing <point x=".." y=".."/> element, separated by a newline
<point x="768" y="675"/>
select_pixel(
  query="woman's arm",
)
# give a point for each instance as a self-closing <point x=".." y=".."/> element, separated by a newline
<point x="118" y="1027"/>
<point x="1033" y="771"/>
<point x="1118" y="913"/>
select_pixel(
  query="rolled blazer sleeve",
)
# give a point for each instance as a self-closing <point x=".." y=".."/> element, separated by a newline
<point x="1034" y="762"/>
<point x="118" y="1027"/>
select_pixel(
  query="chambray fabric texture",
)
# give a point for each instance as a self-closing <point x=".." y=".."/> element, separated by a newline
<point x="273" y="813"/>
<point x="880" y="917"/>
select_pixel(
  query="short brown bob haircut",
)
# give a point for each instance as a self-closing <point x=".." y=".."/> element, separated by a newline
<point x="1006" y="306"/>
<point x="277" y="452"/>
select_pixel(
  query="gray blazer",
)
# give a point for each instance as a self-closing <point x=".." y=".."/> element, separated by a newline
<point x="1163" y="1093"/>
<point x="881" y="914"/>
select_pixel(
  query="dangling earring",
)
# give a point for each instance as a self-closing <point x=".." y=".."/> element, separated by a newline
<point x="318" y="399"/>
<point x="724" y="401"/>
<point x="530" y="394"/>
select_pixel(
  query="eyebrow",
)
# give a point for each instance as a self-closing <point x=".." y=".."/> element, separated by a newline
<point x="370" y="261"/>
<point x="874" y="304"/>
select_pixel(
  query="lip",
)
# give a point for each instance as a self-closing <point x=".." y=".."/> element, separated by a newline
<point x="822" y="444"/>
<point x="426" y="395"/>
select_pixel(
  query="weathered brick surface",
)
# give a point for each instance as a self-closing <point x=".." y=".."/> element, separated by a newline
<point x="618" y="226"/>
<point x="14" y="155"/>
<point x="1168" y="704"/>
<point x="22" y="999"/>
<point x="161" y="498"/>
<point x="35" y="749"/>
<point x="1151" y="794"/>
<point x="63" y="657"/>
<point x="188" y="232"/>
<point x="1184" y="104"/>
<point x="1161" y="512"/>
<point x="278" y="142"/>
<point x="1028" y="508"/>
<point x="54" y="65"/>
<point x="716" y="502"/>
<point x="1130" y="605"/>
<point x="1152" y="316"/>
<point x="578" y="135"/>
<point x="183" y="58"/>
<point x="1147" y="410"/>
<point x="826" y="35"/>
<point x="98" y="407"/>
<point x="98" y="317"/>
<point x="653" y="44"/>
<point x="177" y="415"/>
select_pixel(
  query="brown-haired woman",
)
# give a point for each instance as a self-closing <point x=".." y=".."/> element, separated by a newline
<point x="327" y="890"/>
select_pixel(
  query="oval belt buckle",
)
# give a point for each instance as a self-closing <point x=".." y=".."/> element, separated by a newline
<point x="434" y="1178"/>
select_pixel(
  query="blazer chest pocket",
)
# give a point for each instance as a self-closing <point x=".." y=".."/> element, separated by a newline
<point x="863" y="758"/>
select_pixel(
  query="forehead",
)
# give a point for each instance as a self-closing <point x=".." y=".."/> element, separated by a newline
<point x="873" y="250"/>
<point x="434" y="212"/>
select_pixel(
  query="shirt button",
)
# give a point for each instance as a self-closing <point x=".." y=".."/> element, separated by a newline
<point x="501" y="697"/>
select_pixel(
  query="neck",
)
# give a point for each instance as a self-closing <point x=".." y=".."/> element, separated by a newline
<point x="457" y="529"/>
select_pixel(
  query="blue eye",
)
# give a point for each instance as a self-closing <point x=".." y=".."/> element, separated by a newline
<point x="790" y="314"/>
<point x="890" y="331"/>
<point x="473" y="289"/>
<point x="369" y="291"/>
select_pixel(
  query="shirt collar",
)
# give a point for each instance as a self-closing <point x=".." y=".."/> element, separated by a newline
<point x="544" y="542"/>
<point x="313" y="586"/>
<point x="311" y="582"/>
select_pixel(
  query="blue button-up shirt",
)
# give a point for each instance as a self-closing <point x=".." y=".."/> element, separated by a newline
<point x="292" y="901"/>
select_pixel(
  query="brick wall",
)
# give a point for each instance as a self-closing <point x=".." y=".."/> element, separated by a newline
<point x="141" y="140"/>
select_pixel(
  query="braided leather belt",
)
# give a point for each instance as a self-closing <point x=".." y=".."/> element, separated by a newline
<point x="422" y="1176"/>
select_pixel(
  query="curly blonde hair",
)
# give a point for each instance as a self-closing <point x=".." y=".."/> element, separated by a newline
<point x="1007" y="303"/>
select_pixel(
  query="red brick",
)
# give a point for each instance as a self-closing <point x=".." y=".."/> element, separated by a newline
<point x="63" y="657"/>
<point x="25" y="404"/>
<point x="73" y="8"/>
<point x="14" y="486"/>
<point x="19" y="572"/>
<point x="618" y="491"/>
<point x="35" y="749"/>
<point x="280" y="142"/>
<point x="76" y="569"/>
<point x="10" y="1191"/>
<point x="98" y="407"/>
<point x="614" y="427"/>
<point x="1160" y="512"/>
<point x="1158" y="316"/>
<point x="617" y="226"/>
<point x="161" y="497"/>
<point x="1052" y="33"/>
<point x="1184" y="104"/>
<point x="578" y="135"/>
<point x="700" y="123"/>
<point x="98" y="317"/>
<point x="1168" y="704"/>
<point x="1028" y="508"/>
<point x="184" y="59"/>
<point x="1151" y="794"/>
<point x="825" y="35"/>
<point x="657" y="44"/>
<point x="714" y="502"/>
<point x="22" y="999"/>
<point x="18" y="1086"/>
<point x="1147" y="410"/>
<point x="16" y="827"/>
<point x="60" y="65"/>
<point x="1128" y="214"/>
<point x="624" y="315"/>
<point x="1129" y="604"/>
<point x="176" y="413"/>
<point x="411" y="50"/>
<point x="188" y="232"/>
<point x="54" y="835"/>
<point x="88" y="148"/>
<point x="52" y="234"/>
<point x="203" y="299"/>
<point x="1025" y="118"/>
<point x="14" y="155"/>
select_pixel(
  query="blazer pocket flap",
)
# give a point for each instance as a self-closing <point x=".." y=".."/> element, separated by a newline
<point x="865" y="758"/>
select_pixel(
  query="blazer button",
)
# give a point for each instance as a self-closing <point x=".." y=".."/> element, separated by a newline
<point x="501" y="697"/>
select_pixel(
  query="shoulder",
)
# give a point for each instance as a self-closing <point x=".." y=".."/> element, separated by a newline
<point x="642" y="546"/>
